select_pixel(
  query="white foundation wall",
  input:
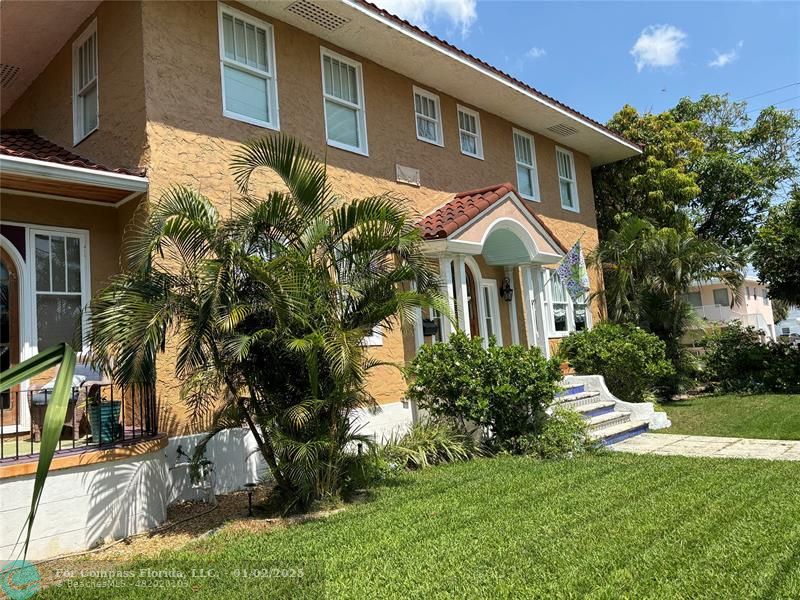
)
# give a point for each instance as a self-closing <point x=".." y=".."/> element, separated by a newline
<point x="83" y="506"/>
<point x="236" y="459"/>
<point x="388" y="419"/>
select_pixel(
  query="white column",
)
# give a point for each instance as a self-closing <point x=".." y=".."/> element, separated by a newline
<point x="461" y="294"/>
<point x="527" y="299"/>
<point x="419" y="339"/>
<point x="542" y="316"/>
<point x="512" y="306"/>
<point x="448" y="289"/>
<point x="483" y="310"/>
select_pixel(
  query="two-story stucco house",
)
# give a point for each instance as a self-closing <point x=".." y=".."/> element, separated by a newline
<point x="107" y="104"/>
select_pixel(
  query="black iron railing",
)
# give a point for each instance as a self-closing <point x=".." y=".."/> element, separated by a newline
<point x="99" y="415"/>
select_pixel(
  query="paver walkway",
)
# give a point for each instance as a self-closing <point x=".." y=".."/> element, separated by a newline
<point x="701" y="445"/>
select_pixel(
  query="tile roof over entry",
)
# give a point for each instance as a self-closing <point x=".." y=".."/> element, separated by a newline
<point x="25" y="143"/>
<point x="465" y="207"/>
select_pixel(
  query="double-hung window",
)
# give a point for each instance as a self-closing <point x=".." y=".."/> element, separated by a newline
<point x="525" y="154"/>
<point x="85" y="99"/>
<point x="721" y="297"/>
<point x="567" y="185"/>
<point x="61" y="287"/>
<point x="343" y="91"/>
<point x="566" y="315"/>
<point x="428" y="117"/>
<point x="247" y="62"/>
<point x="693" y="298"/>
<point x="559" y="304"/>
<point x="469" y="131"/>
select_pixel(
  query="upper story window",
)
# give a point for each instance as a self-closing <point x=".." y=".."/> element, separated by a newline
<point x="525" y="154"/>
<point x="85" y="100"/>
<point x="693" y="298"/>
<point x="61" y="286"/>
<point x="765" y="296"/>
<point x="247" y="62"/>
<point x="428" y="116"/>
<point x="469" y="130"/>
<point x="343" y="91"/>
<point x="721" y="297"/>
<point x="566" y="179"/>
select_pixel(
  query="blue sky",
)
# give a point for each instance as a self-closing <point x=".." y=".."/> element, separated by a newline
<point x="596" y="55"/>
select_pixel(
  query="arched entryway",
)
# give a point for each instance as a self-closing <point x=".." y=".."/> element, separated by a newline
<point x="9" y="333"/>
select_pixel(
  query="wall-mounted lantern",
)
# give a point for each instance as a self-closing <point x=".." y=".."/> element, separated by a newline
<point x="506" y="291"/>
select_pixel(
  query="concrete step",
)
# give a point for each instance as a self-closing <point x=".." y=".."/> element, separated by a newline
<point x="617" y="433"/>
<point x="594" y="409"/>
<point x="608" y="420"/>
<point x="571" y="389"/>
<point x="575" y="400"/>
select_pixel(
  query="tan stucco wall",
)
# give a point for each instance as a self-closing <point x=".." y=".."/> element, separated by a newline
<point x="161" y="107"/>
<point x="190" y="141"/>
<point x="46" y="105"/>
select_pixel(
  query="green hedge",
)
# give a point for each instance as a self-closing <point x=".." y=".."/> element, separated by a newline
<point x="737" y="361"/>
<point x="631" y="360"/>
<point x="503" y="389"/>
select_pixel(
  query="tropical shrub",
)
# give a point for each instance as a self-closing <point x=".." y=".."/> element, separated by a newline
<point x="430" y="442"/>
<point x="631" y="360"/>
<point x="504" y="390"/>
<point x="565" y="434"/>
<point x="737" y="360"/>
<point x="267" y="309"/>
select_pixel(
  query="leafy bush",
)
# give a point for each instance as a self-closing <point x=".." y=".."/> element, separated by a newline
<point x="631" y="360"/>
<point x="430" y="442"/>
<point x="737" y="360"/>
<point x="502" y="389"/>
<point x="564" y="434"/>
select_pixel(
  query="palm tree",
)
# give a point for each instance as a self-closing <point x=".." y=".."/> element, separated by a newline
<point x="648" y="270"/>
<point x="268" y="308"/>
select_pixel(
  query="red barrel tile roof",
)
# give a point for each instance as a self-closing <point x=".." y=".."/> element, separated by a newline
<point x="465" y="206"/>
<point x="25" y="143"/>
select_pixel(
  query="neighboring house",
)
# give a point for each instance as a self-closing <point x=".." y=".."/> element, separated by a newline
<point x="751" y="305"/>
<point x="499" y="172"/>
<point x="790" y="326"/>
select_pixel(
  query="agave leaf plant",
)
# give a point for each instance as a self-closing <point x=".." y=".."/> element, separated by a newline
<point x="63" y="355"/>
<point x="266" y="308"/>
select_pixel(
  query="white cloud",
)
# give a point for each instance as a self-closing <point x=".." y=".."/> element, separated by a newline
<point x="658" y="46"/>
<point x="460" y="14"/>
<point x="725" y="58"/>
<point x="535" y="53"/>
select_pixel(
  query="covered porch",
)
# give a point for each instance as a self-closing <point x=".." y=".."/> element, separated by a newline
<point x="62" y="219"/>
<point x="496" y="259"/>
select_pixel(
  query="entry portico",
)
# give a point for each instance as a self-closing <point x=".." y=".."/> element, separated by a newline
<point x="494" y="253"/>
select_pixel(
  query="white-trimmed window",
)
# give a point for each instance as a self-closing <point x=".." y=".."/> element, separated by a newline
<point x="491" y="307"/>
<point x="247" y="65"/>
<point x="525" y="155"/>
<point x="85" y="97"/>
<point x="564" y="314"/>
<point x="567" y="184"/>
<point x="559" y="303"/>
<point x="343" y="91"/>
<point x="428" y="117"/>
<point x="60" y="275"/>
<point x="375" y="338"/>
<point x="469" y="132"/>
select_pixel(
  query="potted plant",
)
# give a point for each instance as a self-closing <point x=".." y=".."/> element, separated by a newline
<point x="103" y="416"/>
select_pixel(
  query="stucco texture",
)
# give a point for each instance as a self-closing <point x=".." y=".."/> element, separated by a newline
<point x="161" y="107"/>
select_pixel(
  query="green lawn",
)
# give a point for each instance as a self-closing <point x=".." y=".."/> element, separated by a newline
<point x="769" y="416"/>
<point x="609" y="526"/>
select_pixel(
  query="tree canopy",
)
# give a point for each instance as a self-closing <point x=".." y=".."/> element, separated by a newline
<point x="706" y="159"/>
<point x="776" y="251"/>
